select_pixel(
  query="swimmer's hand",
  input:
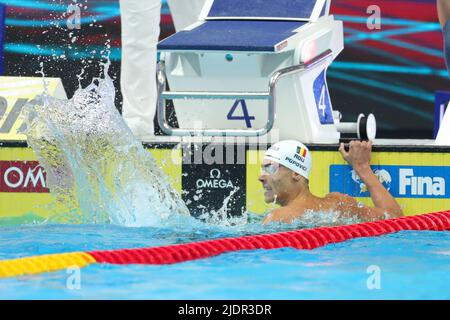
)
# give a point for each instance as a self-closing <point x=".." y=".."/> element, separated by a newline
<point x="359" y="154"/>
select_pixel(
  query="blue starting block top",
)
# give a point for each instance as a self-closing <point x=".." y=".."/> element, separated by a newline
<point x="244" y="25"/>
<point x="232" y="35"/>
<point x="265" y="9"/>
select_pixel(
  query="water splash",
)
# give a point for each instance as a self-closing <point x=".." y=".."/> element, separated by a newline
<point x="223" y="216"/>
<point x="312" y="219"/>
<point x="95" y="168"/>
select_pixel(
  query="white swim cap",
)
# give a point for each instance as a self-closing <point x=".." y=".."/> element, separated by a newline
<point x="293" y="155"/>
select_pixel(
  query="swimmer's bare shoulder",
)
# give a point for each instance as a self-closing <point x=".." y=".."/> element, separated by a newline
<point x="335" y="201"/>
<point x="339" y="199"/>
<point x="349" y="207"/>
<point x="284" y="214"/>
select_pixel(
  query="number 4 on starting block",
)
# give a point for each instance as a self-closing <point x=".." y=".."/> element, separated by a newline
<point x="245" y="115"/>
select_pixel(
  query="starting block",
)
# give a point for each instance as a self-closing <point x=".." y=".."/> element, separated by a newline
<point x="248" y="67"/>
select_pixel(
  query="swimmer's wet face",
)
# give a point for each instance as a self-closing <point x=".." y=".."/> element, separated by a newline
<point x="275" y="179"/>
<point x="285" y="170"/>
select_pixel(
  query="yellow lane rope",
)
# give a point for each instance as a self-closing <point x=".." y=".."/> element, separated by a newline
<point x="44" y="263"/>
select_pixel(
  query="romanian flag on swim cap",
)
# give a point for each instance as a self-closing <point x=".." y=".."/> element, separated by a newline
<point x="302" y="152"/>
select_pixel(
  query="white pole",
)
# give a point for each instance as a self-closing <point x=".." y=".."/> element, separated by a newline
<point x="140" y="32"/>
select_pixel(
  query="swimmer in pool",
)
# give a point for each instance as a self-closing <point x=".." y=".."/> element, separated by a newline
<point x="285" y="178"/>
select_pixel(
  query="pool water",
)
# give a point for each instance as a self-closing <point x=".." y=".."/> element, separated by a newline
<point x="405" y="265"/>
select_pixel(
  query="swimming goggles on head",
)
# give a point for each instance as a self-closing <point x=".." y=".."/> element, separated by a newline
<point x="270" y="168"/>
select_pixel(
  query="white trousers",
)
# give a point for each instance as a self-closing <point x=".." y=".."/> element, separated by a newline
<point x="140" y="32"/>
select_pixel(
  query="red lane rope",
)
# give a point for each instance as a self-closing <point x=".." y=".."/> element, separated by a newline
<point x="301" y="239"/>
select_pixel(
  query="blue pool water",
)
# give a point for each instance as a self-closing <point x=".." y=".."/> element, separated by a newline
<point x="411" y="265"/>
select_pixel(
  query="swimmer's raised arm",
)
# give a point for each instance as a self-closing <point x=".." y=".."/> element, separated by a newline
<point x="358" y="157"/>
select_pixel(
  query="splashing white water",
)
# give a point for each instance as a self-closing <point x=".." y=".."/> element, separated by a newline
<point x="223" y="216"/>
<point x="94" y="165"/>
<point x="326" y="218"/>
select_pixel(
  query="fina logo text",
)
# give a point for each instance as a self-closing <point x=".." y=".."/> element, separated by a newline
<point x="214" y="181"/>
<point x="404" y="181"/>
<point x="419" y="186"/>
